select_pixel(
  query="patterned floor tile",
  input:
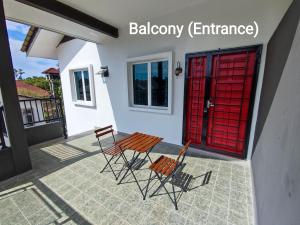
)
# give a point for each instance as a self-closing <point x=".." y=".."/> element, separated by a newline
<point x="16" y="219"/>
<point x="66" y="187"/>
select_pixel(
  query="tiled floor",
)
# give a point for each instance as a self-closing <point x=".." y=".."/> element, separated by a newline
<point x="65" y="187"/>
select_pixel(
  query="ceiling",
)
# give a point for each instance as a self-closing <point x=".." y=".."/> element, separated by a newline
<point x="28" y="15"/>
<point x="119" y="12"/>
<point x="114" y="12"/>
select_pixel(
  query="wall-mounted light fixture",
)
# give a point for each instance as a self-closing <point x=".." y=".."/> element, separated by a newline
<point x="178" y="69"/>
<point x="104" y="71"/>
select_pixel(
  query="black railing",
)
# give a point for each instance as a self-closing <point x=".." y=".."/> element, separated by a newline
<point x="38" y="111"/>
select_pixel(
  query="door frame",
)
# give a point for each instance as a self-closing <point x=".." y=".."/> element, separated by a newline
<point x="209" y="54"/>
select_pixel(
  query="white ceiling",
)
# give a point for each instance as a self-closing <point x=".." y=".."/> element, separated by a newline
<point x="114" y="12"/>
<point x="120" y="12"/>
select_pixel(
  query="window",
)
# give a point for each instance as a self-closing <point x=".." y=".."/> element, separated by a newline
<point x="82" y="86"/>
<point x="150" y="79"/>
<point x="159" y="83"/>
<point x="140" y="84"/>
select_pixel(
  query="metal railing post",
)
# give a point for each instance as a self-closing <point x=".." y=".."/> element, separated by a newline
<point x="63" y="121"/>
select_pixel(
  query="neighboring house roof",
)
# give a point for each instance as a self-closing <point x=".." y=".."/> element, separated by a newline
<point x="28" y="90"/>
<point x="52" y="71"/>
<point x="43" y="43"/>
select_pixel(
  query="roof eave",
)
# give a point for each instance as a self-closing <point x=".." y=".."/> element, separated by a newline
<point x="29" y="38"/>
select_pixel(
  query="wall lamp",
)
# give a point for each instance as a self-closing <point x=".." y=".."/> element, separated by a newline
<point x="104" y="71"/>
<point x="178" y="69"/>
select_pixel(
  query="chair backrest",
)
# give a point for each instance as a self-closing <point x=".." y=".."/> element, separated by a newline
<point x="182" y="153"/>
<point x="103" y="131"/>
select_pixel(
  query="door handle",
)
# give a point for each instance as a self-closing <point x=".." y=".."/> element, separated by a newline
<point x="209" y="104"/>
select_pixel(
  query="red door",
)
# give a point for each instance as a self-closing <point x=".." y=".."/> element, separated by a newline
<point x="218" y="93"/>
<point x="195" y="100"/>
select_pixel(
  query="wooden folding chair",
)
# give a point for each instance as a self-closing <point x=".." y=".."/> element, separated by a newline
<point x="165" y="168"/>
<point x="111" y="152"/>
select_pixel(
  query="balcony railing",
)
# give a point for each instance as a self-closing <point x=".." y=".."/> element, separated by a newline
<point x="39" y="111"/>
<point x="35" y="112"/>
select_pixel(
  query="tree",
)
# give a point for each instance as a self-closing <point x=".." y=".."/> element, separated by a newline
<point x="40" y="82"/>
<point x="57" y="88"/>
<point x="18" y="74"/>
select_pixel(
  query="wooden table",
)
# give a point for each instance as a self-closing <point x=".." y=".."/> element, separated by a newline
<point x="139" y="143"/>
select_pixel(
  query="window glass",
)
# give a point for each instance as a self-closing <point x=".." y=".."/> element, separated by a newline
<point x="159" y="83"/>
<point x="78" y="85"/>
<point x="87" y="85"/>
<point x="140" y="84"/>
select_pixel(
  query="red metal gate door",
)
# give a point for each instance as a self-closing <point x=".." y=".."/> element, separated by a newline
<point x="230" y="90"/>
<point x="195" y="99"/>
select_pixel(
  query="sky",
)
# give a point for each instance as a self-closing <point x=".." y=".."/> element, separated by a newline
<point x="30" y="65"/>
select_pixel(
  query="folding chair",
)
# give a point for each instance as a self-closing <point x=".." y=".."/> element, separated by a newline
<point x="111" y="152"/>
<point x="166" y="168"/>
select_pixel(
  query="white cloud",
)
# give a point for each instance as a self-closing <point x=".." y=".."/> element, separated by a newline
<point x="14" y="26"/>
<point x="31" y="66"/>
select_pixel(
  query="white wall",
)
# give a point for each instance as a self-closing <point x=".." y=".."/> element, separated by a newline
<point x="74" y="54"/>
<point x="112" y="97"/>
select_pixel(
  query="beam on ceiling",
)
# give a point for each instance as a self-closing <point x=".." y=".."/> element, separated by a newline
<point x="67" y="12"/>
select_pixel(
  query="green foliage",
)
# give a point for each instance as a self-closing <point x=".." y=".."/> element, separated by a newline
<point x="57" y="88"/>
<point x="40" y="82"/>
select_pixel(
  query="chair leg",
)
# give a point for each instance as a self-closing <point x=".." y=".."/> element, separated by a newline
<point x="104" y="168"/>
<point x="175" y="199"/>
<point x="121" y="170"/>
<point x="124" y="165"/>
<point x="162" y="182"/>
<point x="108" y="164"/>
<point x="149" y="180"/>
<point x="117" y="159"/>
<point x="162" y="185"/>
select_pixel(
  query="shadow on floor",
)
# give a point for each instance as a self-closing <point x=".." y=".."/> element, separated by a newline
<point x="49" y="159"/>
